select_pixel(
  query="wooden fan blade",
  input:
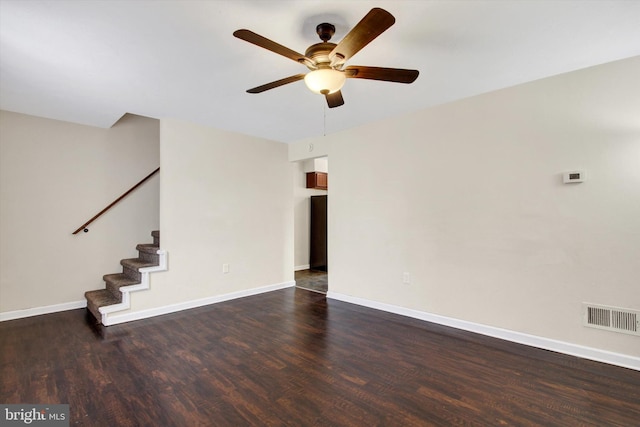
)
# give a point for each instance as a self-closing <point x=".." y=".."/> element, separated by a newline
<point x="397" y="75"/>
<point x="334" y="99"/>
<point x="264" y="42"/>
<point x="376" y="22"/>
<point x="277" y="83"/>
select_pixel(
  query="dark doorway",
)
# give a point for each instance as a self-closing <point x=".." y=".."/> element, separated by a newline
<point x="318" y="234"/>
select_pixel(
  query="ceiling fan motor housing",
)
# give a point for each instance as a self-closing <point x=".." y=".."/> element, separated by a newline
<point x="319" y="54"/>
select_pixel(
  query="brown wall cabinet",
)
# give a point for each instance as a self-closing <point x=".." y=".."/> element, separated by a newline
<point x="317" y="180"/>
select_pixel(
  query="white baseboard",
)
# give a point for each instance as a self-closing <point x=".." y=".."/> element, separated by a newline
<point x="590" y="353"/>
<point x="301" y="267"/>
<point x="36" y="311"/>
<point x="173" y="308"/>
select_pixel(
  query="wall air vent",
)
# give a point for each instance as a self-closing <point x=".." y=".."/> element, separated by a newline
<point x="612" y="318"/>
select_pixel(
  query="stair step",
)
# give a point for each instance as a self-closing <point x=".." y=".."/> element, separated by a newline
<point x="117" y="280"/>
<point x="136" y="263"/>
<point x="99" y="298"/>
<point x="148" y="248"/>
<point x="148" y="252"/>
<point x="156" y="237"/>
<point x="130" y="267"/>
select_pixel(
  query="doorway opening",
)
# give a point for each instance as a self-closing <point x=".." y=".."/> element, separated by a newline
<point x="312" y="280"/>
<point x="310" y="225"/>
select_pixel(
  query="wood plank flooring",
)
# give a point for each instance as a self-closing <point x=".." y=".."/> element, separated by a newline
<point x="312" y="280"/>
<point x="292" y="358"/>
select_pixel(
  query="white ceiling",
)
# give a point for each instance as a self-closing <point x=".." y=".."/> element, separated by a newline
<point x="92" y="61"/>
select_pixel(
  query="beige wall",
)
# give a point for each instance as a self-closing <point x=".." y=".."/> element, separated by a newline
<point x="309" y="148"/>
<point x="54" y="176"/>
<point x="225" y="199"/>
<point x="468" y="199"/>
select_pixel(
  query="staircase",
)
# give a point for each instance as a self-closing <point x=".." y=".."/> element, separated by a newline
<point x="134" y="277"/>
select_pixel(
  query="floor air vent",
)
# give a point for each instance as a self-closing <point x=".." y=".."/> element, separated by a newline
<point x="612" y="318"/>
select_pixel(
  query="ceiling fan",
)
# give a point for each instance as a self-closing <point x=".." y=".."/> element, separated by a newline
<point x="326" y="60"/>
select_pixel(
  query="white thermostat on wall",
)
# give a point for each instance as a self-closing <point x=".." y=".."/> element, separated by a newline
<point x="573" y="176"/>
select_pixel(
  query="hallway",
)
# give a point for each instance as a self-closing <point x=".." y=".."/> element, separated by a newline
<point x="312" y="280"/>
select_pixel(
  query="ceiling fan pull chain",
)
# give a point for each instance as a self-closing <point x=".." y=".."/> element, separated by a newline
<point x="324" y="112"/>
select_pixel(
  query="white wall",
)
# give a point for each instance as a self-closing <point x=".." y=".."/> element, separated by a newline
<point x="468" y="198"/>
<point x="225" y="199"/>
<point x="54" y="176"/>
<point x="302" y="211"/>
<point x="309" y="148"/>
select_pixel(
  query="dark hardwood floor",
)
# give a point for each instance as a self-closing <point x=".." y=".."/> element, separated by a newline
<point x="292" y="358"/>
<point x="312" y="280"/>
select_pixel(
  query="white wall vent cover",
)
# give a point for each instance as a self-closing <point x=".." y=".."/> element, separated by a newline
<point x="612" y="318"/>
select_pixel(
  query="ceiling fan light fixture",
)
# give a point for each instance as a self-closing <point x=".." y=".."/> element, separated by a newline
<point x="326" y="59"/>
<point x="325" y="80"/>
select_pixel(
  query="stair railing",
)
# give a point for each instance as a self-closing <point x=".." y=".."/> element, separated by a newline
<point x="83" y="226"/>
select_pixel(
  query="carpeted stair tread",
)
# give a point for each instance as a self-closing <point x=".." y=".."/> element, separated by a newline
<point x="119" y="279"/>
<point x="101" y="297"/>
<point x="149" y="248"/>
<point x="115" y="281"/>
<point x="136" y="263"/>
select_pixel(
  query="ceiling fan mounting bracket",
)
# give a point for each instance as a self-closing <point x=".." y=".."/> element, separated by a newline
<point x="325" y="31"/>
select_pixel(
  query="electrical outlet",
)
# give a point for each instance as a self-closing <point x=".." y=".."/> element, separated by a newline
<point x="406" y="278"/>
<point x="225" y="268"/>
